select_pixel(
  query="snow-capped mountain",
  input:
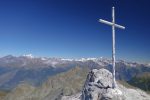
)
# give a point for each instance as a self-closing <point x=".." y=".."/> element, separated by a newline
<point x="35" y="70"/>
<point x="35" y="62"/>
<point x="148" y="64"/>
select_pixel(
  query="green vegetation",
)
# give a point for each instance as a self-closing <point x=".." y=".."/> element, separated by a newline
<point x="124" y="83"/>
<point x="141" y="81"/>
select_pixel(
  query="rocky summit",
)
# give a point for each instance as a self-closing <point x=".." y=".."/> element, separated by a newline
<point x="98" y="86"/>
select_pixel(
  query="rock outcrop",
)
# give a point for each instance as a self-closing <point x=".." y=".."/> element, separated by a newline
<point x="98" y="86"/>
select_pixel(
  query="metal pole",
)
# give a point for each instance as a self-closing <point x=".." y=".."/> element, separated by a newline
<point x="113" y="46"/>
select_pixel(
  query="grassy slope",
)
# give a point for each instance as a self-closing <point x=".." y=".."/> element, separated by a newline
<point x="141" y="81"/>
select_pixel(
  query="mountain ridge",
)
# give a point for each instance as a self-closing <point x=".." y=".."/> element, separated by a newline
<point x="36" y="70"/>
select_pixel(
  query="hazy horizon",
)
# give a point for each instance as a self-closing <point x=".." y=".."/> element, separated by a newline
<point x="36" y="56"/>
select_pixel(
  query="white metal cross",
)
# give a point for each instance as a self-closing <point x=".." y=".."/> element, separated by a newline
<point x="113" y="24"/>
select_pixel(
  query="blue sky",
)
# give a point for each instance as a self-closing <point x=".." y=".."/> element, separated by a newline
<point x="70" y="28"/>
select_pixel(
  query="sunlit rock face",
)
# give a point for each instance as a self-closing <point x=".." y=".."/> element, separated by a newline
<point x="98" y="86"/>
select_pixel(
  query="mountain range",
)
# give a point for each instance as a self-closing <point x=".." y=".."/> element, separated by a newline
<point x="36" y="70"/>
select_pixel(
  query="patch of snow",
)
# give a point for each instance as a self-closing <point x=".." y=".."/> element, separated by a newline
<point x="28" y="55"/>
<point x="148" y="64"/>
<point x="43" y="58"/>
<point x="51" y="62"/>
<point x="85" y="59"/>
<point x="67" y="59"/>
<point x="131" y="64"/>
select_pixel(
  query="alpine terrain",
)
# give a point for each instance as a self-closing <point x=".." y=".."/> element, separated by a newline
<point x="41" y="78"/>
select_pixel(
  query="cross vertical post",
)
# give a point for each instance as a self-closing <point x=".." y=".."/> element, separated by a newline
<point x="113" y="47"/>
<point x="114" y="25"/>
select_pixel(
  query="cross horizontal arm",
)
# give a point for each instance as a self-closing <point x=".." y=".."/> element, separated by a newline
<point x="111" y="24"/>
<point x="105" y="22"/>
<point x="119" y="26"/>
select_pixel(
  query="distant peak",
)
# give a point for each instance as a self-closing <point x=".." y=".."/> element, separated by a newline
<point x="8" y="56"/>
<point x="148" y="64"/>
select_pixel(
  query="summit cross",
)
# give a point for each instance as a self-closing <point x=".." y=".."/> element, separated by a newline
<point x="114" y="25"/>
